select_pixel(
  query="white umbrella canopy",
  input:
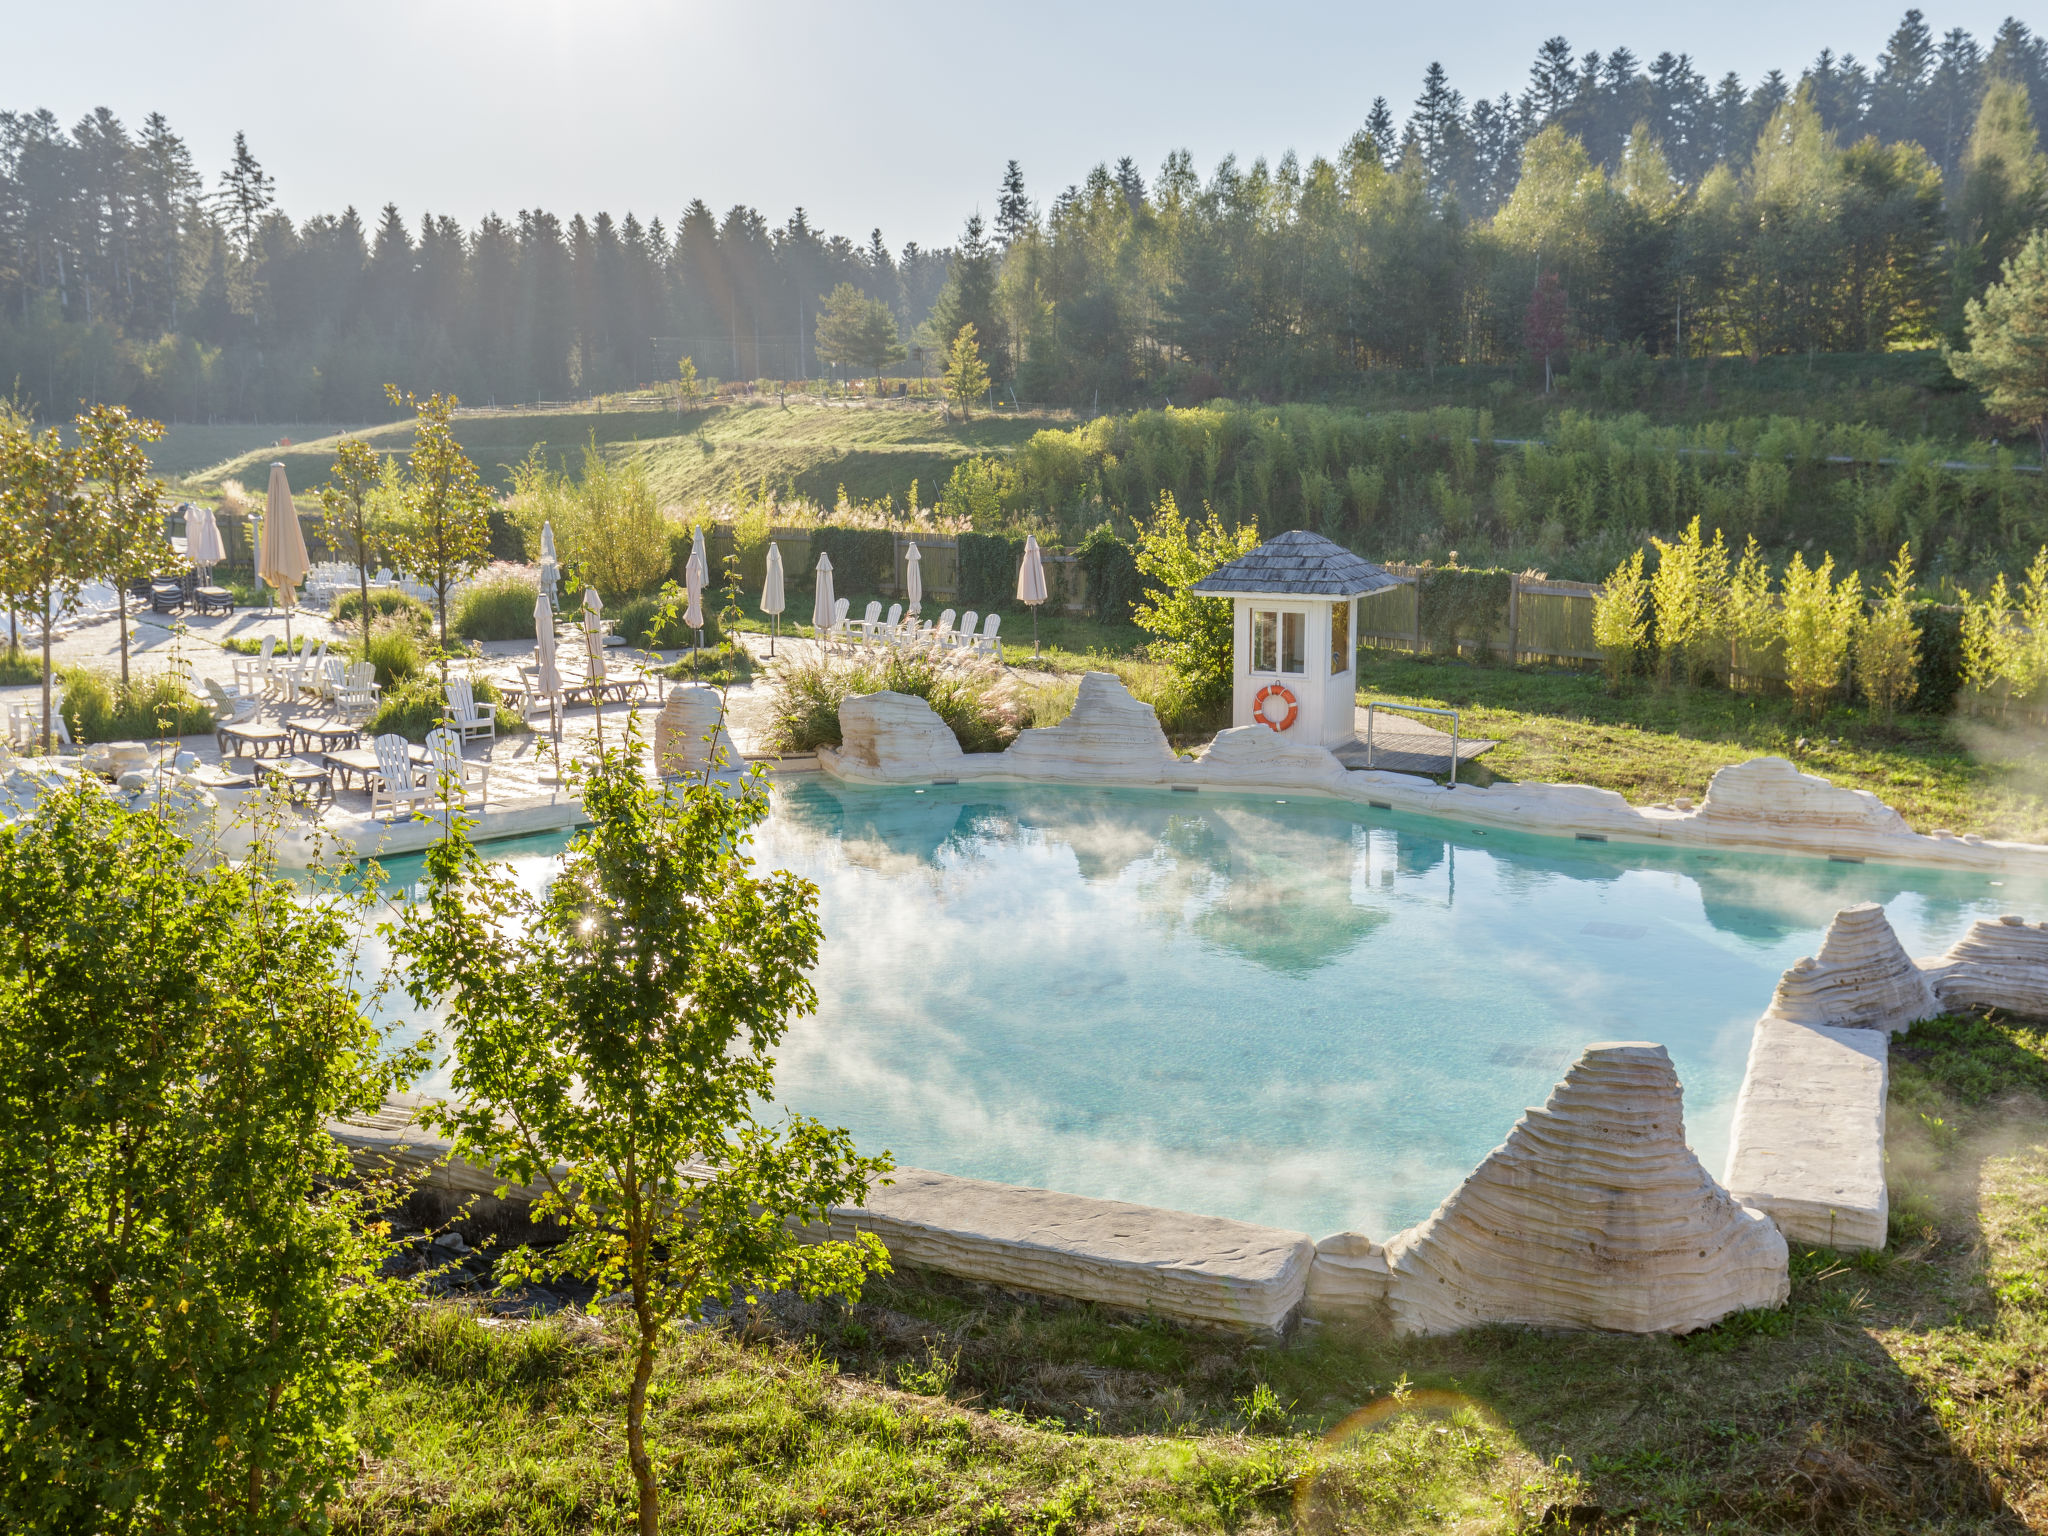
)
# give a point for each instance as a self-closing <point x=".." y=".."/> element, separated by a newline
<point x="1031" y="583"/>
<point x="544" y="646"/>
<point x="283" y="564"/>
<point x="771" y="594"/>
<point x="203" y="546"/>
<point x="821" y="606"/>
<point x="695" y="574"/>
<point x="550" y="568"/>
<point x="913" y="575"/>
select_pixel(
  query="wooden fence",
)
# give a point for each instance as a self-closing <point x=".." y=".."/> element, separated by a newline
<point x="1546" y="620"/>
<point x="1066" y="582"/>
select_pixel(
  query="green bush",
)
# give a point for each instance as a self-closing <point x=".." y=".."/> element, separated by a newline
<point x="500" y="608"/>
<point x="1461" y="604"/>
<point x="1112" y="569"/>
<point x="394" y="650"/>
<point x="1941" y="658"/>
<point x="98" y="706"/>
<point x="242" y="645"/>
<point x="639" y="622"/>
<point x="18" y="666"/>
<point x="983" y="713"/>
<point x="988" y="570"/>
<point x="385" y="602"/>
<point x="862" y="558"/>
<point x="416" y="706"/>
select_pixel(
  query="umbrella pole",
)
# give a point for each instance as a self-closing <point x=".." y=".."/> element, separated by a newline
<point x="1034" y="631"/>
<point x="777" y="630"/>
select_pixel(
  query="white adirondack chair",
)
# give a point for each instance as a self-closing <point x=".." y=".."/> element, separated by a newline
<point x="252" y="673"/>
<point x="468" y="717"/>
<point x="962" y="639"/>
<point x="397" y="783"/>
<point x="230" y="708"/>
<point x="453" y="778"/>
<point x="357" y="695"/>
<point x="986" y="641"/>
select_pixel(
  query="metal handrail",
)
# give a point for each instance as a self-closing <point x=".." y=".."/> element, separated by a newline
<point x="1413" y="709"/>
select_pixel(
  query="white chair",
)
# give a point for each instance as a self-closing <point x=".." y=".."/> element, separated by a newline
<point x="840" y="631"/>
<point x="252" y="673"/>
<point x="357" y="695"/>
<point x="864" y="628"/>
<point x="468" y="718"/>
<point x="25" y="723"/>
<point x="332" y="671"/>
<point x="986" y="641"/>
<point x="941" y="633"/>
<point x="230" y="708"/>
<point x="962" y="639"/>
<point x="285" y="670"/>
<point x="395" y="783"/>
<point x="452" y="777"/>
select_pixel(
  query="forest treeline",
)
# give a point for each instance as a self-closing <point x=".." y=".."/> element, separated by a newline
<point x="1613" y="205"/>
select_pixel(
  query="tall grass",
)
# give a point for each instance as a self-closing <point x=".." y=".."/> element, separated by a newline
<point x="417" y="705"/>
<point x="385" y="603"/>
<point x="18" y="666"/>
<point x="1151" y="682"/>
<point x="983" y="709"/>
<point x="496" y="608"/>
<point x="98" y="706"/>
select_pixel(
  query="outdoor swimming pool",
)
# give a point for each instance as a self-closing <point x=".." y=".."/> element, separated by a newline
<point x="1301" y="1012"/>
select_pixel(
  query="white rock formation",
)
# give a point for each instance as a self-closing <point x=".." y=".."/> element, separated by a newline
<point x="1348" y="1281"/>
<point x="1594" y="1213"/>
<point x="893" y="737"/>
<point x="1257" y="757"/>
<point x="1110" y="737"/>
<point x="1807" y="1145"/>
<point x="1771" y="792"/>
<point x="1862" y="978"/>
<point x="1203" y="1270"/>
<point x="688" y="734"/>
<point x="2001" y="964"/>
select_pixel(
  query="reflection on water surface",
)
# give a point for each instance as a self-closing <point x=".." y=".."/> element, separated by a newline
<point x="1307" y="1013"/>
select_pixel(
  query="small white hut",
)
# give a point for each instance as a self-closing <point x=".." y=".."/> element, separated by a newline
<point x="1296" y="607"/>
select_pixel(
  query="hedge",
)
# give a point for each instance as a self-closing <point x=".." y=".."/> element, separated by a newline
<point x="1112" y="569"/>
<point x="862" y="558"/>
<point x="988" y="570"/>
<point x="1462" y="604"/>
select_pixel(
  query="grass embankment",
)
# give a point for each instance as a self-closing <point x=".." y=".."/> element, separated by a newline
<point x="1903" y="1391"/>
<point x="809" y="448"/>
<point x="1653" y="743"/>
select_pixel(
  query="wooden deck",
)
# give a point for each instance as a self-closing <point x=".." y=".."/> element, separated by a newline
<point x="1404" y="745"/>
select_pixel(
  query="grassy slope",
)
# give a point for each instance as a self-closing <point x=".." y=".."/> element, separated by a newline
<point x="1898" y="1392"/>
<point x="812" y="447"/>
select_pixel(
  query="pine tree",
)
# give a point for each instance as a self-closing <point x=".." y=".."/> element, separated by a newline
<point x="2008" y="331"/>
<point x="966" y="377"/>
<point x="1553" y="82"/>
<point x="247" y="192"/>
<point x="1015" y="218"/>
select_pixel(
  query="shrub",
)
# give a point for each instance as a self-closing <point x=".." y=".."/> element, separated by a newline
<point x="1690" y="594"/>
<point x="1888" y="644"/>
<point x="988" y="570"/>
<point x="862" y="558"/>
<point x="1821" y="620"/>
<point x="981" y="709"/>
<point x="640" y="622"/>
<point x="1112" y="569"/>
<point x="607" y="522"/>
<point x="18" y="666"/>
<point x="100" y="707"/>
<point x="394" y="650"/>
<point x="1194" y="631"/>
<point x="416" y="706"/>
<point x="1460" y="604"/>
<point x="497" y="608"/>
<point x="385" y="603"/>
<point x="1621" y="624"/>
<point x="1941" y="657"/>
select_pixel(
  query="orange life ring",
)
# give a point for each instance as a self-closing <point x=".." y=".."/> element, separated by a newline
<point x="1259" y="707"/>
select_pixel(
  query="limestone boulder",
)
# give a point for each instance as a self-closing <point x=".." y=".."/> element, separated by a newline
<point x="1771" y="792"/>
<point x="1347" y="1283"/>
<point x="894" y="737"/>
<point x="1257" y="757"/>
<point x="2001" y="963"/>
<point x="1594" y="1213"/>
<point x="1861" y="979"/>
<point x="1110" y="737"/>
<point x="689" y="734"/>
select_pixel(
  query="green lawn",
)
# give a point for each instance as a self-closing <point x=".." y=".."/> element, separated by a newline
<point x="1653" y="743"/>
<point x="808" y="447"/>
<point x="1905" y="1391"/>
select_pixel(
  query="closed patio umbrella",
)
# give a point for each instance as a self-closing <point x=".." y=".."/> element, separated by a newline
<point x="695" y="574"/>
<point x="203" y="546"/>
<point x="913" y="575"/>
<point x="284" y="561"/>
<point x="593" y="650"/>
<point x="821" y="606"/>
<point x="771" y="594"/>
<point x="1031" y="584"/>
<point x="546" y="671"/>
<point x="550" y="568"/>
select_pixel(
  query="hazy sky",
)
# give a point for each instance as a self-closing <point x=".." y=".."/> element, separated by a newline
<point x="897" y="114"/>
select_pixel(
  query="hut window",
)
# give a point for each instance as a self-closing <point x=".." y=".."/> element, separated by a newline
<point x="1340" y="638"/>
<point x="1265" y="640"/>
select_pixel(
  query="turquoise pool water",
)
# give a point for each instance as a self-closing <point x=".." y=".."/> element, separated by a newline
<point x="1299" y="1012"/>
